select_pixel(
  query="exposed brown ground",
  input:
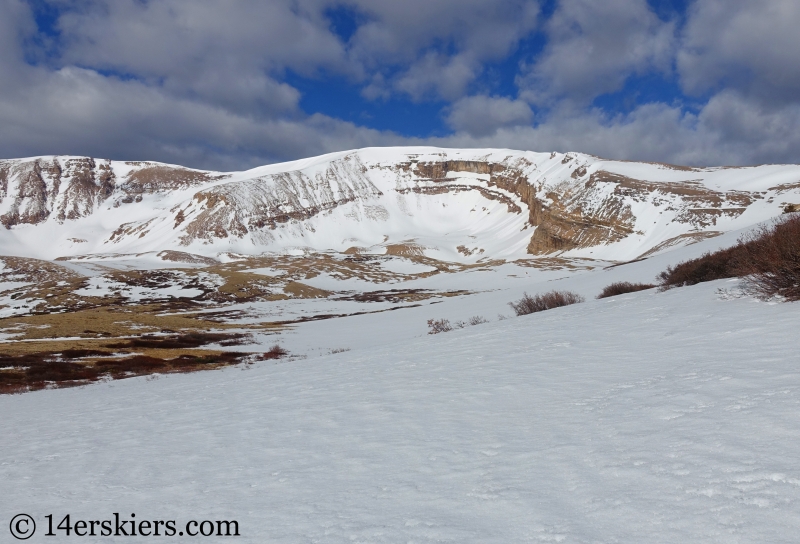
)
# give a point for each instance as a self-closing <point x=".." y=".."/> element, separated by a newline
<point x="67" y="335"/>
<point x="28" y="366"/>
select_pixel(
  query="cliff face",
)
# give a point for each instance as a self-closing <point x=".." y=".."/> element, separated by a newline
<point x="69" y="188"/>
<point x="564" y="217"/>
<point x="584" y="205"/>
<point x="531" y="202"/>
<point x="265" y="202"/>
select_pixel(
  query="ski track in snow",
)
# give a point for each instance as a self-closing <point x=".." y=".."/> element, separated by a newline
<point x="650" y="417"/>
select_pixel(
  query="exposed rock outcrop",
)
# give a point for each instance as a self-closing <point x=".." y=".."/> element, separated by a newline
<point x="236" y="208"/>
<point x="544" y="203"/>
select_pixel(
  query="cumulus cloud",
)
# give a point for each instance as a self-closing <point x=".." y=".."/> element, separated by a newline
<point x="423" y="48"/>
<point x="224" y="53"/>
<point x="593" y="47"/>
<point x="202" y="83"/>
<point x="179" y="41"/>
<point x="483" y="115"/>
<point x="749" y="46"/>
<point x="437" y="74"/>
<point x="729" y="130"/>
<point x="205" y="83"/>
<point x="77" y="111"/>
<point x="170" y="102"/>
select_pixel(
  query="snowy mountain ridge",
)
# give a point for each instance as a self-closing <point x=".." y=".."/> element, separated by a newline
<point x="652" y="416"/>
<point x="451" y="204"/>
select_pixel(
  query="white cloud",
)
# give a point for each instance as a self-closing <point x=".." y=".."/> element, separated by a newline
<point x="729" y="130"/>
<point x="206" y="113"/>
<point x="77" y="111"/>
<point x="201" y="83"/>
<point x="593" y="47"/>
<point x="483" y="115"/>
<point x="437" y="74"/>
<point x="741" y="44"/>
<point x="438" y="47"/>
<point x="227" y="54"/>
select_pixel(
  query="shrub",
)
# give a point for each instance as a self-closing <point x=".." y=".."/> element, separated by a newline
<point x="539" y="303"/>
<point x="709" y="267"/>
<point x="768" y="258"/>
<point x="622" y="287"/>
<point x="477" y="320"/>
<point x="439" y="325"/>
<point x="275" y="352"/>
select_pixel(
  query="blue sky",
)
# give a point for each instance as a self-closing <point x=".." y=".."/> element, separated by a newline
<point x="236" y="84"/>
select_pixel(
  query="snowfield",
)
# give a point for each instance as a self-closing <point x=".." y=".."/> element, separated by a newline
<point x="649" y="417"/>
<point x="458" y="205"/>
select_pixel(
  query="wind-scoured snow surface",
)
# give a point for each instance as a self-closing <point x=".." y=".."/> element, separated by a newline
<point x="649" y="417"/>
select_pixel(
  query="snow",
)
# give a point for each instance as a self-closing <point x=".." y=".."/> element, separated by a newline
<point x="99" y="286"/>
<point x="383" y="207"/>
<point x="336" y="282"/>
<point x="649" y="417"/>
<point x="403" y="266"/>
<point x="271" y="272"/>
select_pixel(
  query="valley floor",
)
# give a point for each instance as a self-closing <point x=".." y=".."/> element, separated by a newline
<point x="648" y="417"/>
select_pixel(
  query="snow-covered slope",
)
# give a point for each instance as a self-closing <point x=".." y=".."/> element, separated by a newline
<point x="649" y="417"/>
<point x="448" y="204"/>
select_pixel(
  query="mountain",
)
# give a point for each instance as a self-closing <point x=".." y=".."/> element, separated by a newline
<point x="650" y="417"/>
<point x="449" y="204"/>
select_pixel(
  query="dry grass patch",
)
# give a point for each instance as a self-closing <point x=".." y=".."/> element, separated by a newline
<point x="104" y="322"/>
<point x="67" y="364"/>
<point x="182" y="341"/>
<point x="69" y="368"/>
<point x="301" y="290"/>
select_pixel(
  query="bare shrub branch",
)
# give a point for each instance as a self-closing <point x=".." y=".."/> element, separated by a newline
<point x="768" y="259"/>
<point x="554" y="299"/>
<point x="439" y="325"/>
<point x="622" y="287"/>
<point x="709" y="267"/>
<point x="275" y="352"/>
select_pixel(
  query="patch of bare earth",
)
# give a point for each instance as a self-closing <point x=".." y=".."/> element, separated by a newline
<point x="30" y="366"/>
<point x="78" y="329"/>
